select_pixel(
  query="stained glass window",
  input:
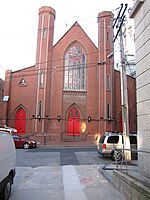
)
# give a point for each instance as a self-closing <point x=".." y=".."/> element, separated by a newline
<point x="70" y="114"/>
<point x="75" y="76"/>
<point x="77" y="114"/>
<point x="75" y="69"/>
<point x="66" y="71"/>
<point x="79" y="78"/>
<point x="83" y="72"/>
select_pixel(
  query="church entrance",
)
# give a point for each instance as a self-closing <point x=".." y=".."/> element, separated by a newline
<point x="20" y="121"/>
<point x="73" y="125"/>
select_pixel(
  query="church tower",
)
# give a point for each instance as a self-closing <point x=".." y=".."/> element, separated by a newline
<point x="106" y="72"/>
<point x="44" y="56"/>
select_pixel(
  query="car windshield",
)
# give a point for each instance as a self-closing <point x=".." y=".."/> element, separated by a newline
<point x="16" y="137"/>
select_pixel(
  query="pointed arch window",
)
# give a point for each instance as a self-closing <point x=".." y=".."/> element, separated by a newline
<point x="75" y="76"/>
<point x="83" y="72"/>
<point x="44" y="32"/>
<point x="108" y="110"/>
<point x="75" y="69"/>
<point x="41" y="79"/>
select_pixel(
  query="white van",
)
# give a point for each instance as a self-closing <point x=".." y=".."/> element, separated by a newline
<point x="7" y="163"/>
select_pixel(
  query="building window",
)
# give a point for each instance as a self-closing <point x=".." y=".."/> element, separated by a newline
<point x="44" y="32"/>
<point x="107" y="36"/>
<point x="108" y="110"/>
<point x="75" y="69"/>
<point x="79" y="75"/>
<point x="41" y="79"/>
<point x="108" y="82"/>
<point x="40" y="110"/>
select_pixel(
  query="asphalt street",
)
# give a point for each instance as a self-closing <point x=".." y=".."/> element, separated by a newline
<point x="61" y="174"/>
<point x="59" y="157"/>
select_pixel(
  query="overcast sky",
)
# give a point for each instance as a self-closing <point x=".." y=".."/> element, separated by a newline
<point x="19" y="24"/>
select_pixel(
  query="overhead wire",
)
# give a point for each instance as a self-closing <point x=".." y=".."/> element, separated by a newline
<point x="35" y="72"/>
<point x="61" y="59"/>
<point x="48" y="28"/>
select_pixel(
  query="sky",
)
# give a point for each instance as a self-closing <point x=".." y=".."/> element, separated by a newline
<point x="19" y="26"/>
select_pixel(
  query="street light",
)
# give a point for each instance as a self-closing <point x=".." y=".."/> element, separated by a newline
<point x="89" y="119"/>
<point x="58" y="118"/>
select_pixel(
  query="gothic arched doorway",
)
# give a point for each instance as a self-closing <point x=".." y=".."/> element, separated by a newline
<point x="20" y="121"/>
<point x="73" y="123"/>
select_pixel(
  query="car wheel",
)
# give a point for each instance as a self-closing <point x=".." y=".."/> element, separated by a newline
<point x="116" y="155"/>
<point x="5" y="194"/>
<point x="26" y="145"/>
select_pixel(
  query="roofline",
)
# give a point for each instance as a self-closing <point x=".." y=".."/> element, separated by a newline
<point x="126" y="74"/>
<point x="70" y="29"/>
<point x="23" y="69"/>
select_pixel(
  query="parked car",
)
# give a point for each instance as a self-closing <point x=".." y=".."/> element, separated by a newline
<point x="112" y="140"/>
<point x="7" y="163"/>
<point x="21" y="142"/>
<point x="8" y="129"/>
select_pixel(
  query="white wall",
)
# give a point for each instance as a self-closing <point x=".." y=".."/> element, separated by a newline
<point x="142" y="44"/>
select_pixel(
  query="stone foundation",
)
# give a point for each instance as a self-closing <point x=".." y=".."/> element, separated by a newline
<point x="131" y="187"/>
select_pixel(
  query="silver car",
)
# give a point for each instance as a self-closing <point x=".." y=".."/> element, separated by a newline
<point x="111" y="141"/>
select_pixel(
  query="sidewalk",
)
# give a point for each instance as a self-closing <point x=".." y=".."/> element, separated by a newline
<point x="82" y="182"/>
<point x="107" y="170"/>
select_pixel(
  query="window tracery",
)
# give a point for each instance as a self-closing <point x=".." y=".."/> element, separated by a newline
<point x="75" y="72"/>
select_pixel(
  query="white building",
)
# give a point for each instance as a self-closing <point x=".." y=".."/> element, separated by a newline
<point x="128" y="31"/>
<point x="141" y="15"/>
<point x="129" y="46"/>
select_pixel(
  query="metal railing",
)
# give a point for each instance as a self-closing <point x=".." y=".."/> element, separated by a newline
<point x="123" y="160"/>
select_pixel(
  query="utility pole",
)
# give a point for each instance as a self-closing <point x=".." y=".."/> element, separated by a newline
<point x="123" y="77"/>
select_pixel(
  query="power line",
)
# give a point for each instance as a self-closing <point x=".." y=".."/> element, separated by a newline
<point x="63" y="59"/>
<point x="35" y="72"/>
<point x="48" y="29"/>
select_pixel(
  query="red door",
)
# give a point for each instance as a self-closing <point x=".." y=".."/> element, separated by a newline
<point x="73" y="122"/>
<point x="20" y="121"/>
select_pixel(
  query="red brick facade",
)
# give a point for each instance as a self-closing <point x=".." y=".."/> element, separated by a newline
<point x="71" y="81"/>
<point x="1" y="93"/>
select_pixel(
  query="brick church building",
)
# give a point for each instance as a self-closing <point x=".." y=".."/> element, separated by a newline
<point x="72" y="93"/>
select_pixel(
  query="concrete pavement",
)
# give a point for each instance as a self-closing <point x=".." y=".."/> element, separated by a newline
<point x="107" y="170"/>
<point x="82" y="182"/>
<point x="128" y="180"/>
